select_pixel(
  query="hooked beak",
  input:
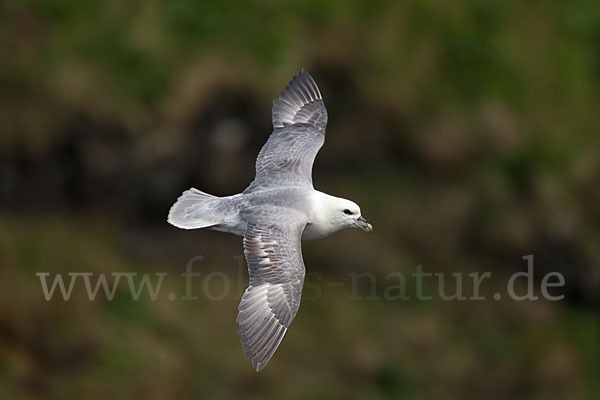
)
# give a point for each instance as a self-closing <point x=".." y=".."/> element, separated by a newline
<point x="363" y="224"/>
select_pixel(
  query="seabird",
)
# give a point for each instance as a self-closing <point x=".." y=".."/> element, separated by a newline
<point x="278" y="210"/>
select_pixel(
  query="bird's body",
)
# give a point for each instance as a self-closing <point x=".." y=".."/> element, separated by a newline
<point x="227" y="217"/>
<point x="278" y="210"/>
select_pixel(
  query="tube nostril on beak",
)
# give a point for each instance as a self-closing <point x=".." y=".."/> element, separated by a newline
<point x="363" y="224"/>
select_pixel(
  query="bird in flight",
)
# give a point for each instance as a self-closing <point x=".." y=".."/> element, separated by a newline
<point x="278" y="210"/>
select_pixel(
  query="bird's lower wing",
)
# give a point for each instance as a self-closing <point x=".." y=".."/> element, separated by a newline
<point x="271" y="301"/>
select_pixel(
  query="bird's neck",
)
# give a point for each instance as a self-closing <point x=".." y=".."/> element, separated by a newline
<point x="322" y="215"/>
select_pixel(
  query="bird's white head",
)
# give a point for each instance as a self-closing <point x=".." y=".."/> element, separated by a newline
<point x="332" y="214"/>
<point x="347" y="215"/>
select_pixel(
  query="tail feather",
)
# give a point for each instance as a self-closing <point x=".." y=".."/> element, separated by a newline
<point x="192" y="210"/>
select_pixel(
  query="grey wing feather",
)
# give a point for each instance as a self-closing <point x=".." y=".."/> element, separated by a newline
<point x="276" y="270"/>
<point x="299" y="120"/>
<point x="300" y="103"/>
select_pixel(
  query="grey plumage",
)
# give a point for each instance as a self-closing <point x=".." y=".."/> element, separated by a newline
<point x="299" y="120"/>
<point x="274" y="213"/>
<point x="300" y="103"/>
<point x="272" y="238"/>
<point x="273" y="252"/>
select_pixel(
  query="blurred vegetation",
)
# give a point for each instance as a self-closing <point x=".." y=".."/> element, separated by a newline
<point x="466" y="130"/>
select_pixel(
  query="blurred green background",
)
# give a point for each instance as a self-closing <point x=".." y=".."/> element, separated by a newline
<point x="468" y="131"/>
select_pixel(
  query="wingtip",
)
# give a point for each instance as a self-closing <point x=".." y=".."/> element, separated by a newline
<point x="305" y="84"/>
<point x="303" y="73"/>
<point x="260" y="365"/>
<point x="299" y="103"/>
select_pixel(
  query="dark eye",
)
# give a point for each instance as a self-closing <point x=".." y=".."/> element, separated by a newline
<point x="347" y="212"/>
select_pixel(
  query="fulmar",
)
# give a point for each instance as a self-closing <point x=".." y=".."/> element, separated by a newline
<point x="278" y="210"/>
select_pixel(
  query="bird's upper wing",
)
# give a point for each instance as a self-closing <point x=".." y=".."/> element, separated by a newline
<point x="276" y="270"/>
<point x="300" y="103"/>
<point x="299" y="120"/>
